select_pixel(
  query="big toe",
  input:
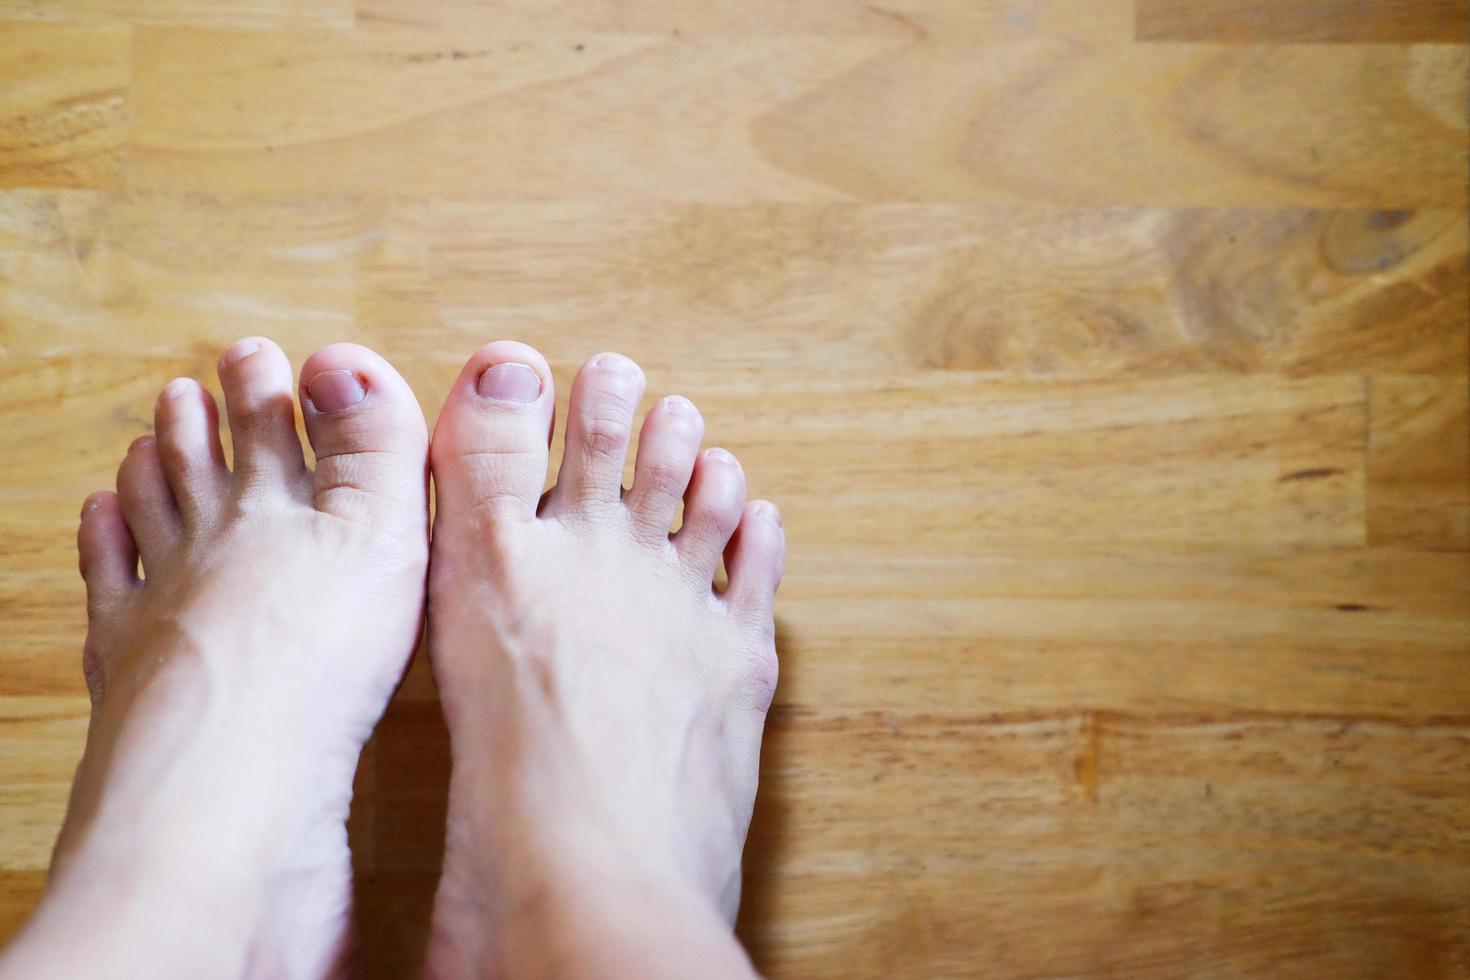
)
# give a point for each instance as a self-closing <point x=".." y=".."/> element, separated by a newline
<point x="370" y="440"/>
<point x="489" y="451"/>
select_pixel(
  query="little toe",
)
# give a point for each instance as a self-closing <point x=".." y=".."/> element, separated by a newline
<point x="256" y="376"/>
<point x="370" y="440"/>
<point x="186" y="420"/>
<point x="711" y="511"/>
<point x="604" y="397"/>
<point x="754" y="559"/>
<point x="667" y="447"/>
<point x="489" y="449"/>
<point x="108" y="559"/>
<point x="147" y="502"/>
<point x="107" y="556"/>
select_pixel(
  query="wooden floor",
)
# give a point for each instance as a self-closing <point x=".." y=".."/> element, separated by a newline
<point x="1107" y="357"/>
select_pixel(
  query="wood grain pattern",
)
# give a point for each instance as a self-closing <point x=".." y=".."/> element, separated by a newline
<point x="1108" y="358"/>
<point x="64" y="108"/>
<point x="1256" y="21"/>
<point x="1419" y="466"/>
<point x="783" y="119"/>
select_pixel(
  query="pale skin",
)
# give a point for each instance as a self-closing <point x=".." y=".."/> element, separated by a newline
<point x="605" y="701"/>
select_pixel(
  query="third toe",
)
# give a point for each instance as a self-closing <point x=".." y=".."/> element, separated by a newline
<point x="667" y="447"/>
<point x="186" y="420"/>
<point x="147" y="503"/>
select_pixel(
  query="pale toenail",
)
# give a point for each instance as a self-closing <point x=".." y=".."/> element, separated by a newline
<point x="767" y="511"/>
<point x="720" y="456"/>
<point x="613" y="362"/>
<point x="238" y="352"/>
<point x="89" y="505"/>
<point x="142" y="442"/>
<point x="334" y="391"/>
<point x="679" y="405"/>
<point x="175" y="388"/>
<point x="510" y="382"/>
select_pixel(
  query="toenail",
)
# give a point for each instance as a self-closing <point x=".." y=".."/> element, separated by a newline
<point x="334" y="391"/>
<point x="238" y="352"/>
<point x="510" y="382"/>
<point x="89" y="505"/>
<point x="142" y="442"/>
<point x="766" y="511"/>
<point x="175" y="388"/>
<point x="679" y="405"/>
<point x="720" y="456"/>
<point x="613" y="362"/>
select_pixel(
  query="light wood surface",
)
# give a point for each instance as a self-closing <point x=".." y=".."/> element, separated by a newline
<point x="1107" y="357"/>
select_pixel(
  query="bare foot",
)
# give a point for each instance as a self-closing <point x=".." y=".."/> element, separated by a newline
<point x="234" y="685"/>
<point x="605" y="703"/>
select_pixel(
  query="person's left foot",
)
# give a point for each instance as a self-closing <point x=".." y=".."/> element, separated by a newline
<point x="234" y="685"/>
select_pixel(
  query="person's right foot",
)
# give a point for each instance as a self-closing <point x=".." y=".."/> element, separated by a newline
<point x="605" y="702"/>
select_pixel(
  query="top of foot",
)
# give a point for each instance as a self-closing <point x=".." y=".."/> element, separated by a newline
<point x="236" y="680"/>
<point x="605" y="700"/>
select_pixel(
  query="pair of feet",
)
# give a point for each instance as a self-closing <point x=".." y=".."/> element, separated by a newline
<point x="605" y="702"/>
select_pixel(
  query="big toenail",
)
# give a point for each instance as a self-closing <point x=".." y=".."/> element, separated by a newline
<point x="333" y="391"/>
<point x="238" y="352"/>
<point x="510" y="382"/>
<point x="767" y="511"/>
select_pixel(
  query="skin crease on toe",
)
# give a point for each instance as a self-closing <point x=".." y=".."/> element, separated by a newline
<point x="604" y="701"/>
<point x="235" y="683"/>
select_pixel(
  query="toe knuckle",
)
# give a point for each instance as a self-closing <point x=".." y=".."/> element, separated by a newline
<point x="602" y="437"/>
<point x="664" y="477"/>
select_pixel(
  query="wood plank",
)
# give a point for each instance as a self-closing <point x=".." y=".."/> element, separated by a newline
<point x="1419" y="462"/>
<point x="41" y="739"/>
<point x="64" y="108"/>
<point x="1192" y="834"/>
<point x="1015" y="291"/>
<point x="1056" y="629"/>
<point x="1294" y="847"/>
<point x="777" y="119"/>
<point x="253" y="14"/>
<point x="977" y="20"/>
<point x="1011" y="291"/>
<point x="892" y="843"/>
<point x="1264" y="21"/>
